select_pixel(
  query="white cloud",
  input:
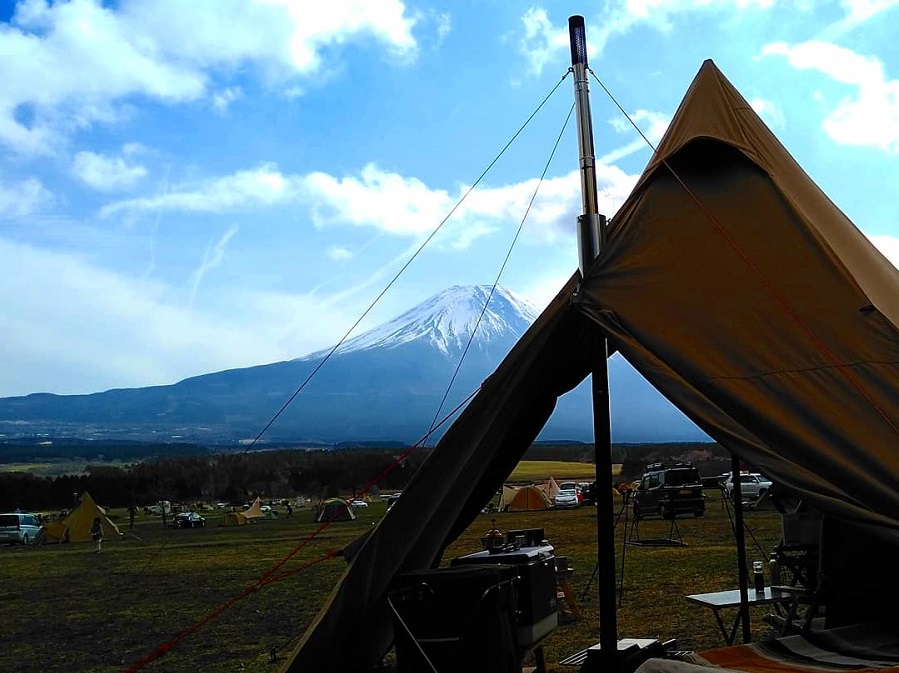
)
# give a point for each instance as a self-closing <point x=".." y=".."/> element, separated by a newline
<point x="858" y="12"/>
<point x="769" y="111"/>
<point x="106" y="173"/>
<point x="72" y="327"/>
<point x="339" y="254"/>
<point x="261" y="186"/>
<point x="652" y="124"/>
<point x="71" y="64"/>
<point x="888" y="245"/>
<point x="869" y="117"/>
<point x="543" y="42"/>
<point x="389" y="202"/>
<point x="212" y="257"/>
<point x="21" y="198"/>
<point x="444" y="26"/>
<point x="222" y="99"/>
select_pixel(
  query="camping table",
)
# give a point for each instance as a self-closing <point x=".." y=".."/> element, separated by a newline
<point x="720" y="600"/>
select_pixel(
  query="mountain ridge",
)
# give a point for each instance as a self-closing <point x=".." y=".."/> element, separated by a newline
<point x="384" y="385"/>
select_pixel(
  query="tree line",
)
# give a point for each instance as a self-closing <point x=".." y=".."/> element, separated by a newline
<point x="233" y="478"/>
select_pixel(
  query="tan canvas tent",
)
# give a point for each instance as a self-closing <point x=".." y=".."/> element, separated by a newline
<point x="529" y="498"/>
<point x="234" y="519"/>
<point x="740" y="292"/>
<point x="551" y="488"/>
<point x="254" y="511"/>
<point x="76" y="526"/>
<point x="506" y="497"/>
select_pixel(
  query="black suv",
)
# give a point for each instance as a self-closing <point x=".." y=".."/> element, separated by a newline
<point x="669" y="489"/>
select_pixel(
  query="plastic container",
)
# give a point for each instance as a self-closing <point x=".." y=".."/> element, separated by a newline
<point x="758" y="576"/>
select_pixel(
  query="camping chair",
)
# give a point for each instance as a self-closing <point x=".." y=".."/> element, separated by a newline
<point x="854" y="580"/>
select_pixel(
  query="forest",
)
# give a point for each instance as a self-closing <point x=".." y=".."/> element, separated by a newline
<point x="237" y="477"/>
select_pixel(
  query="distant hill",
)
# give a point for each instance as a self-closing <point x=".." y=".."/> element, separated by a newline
<point x="384" y="385"/>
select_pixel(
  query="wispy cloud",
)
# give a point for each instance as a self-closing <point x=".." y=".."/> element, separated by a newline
<point x="652" y="124"/>
<point x="339" y="254"/>
<point x="20" y="198"/>
<point x="542" y="42"/>
<point x="769" y="111"/>
<point x="212" y="257"/>
<point x="107" y="173"/>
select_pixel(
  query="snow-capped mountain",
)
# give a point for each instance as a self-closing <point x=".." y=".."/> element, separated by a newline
<point x="447" y="320"/>
<point x="389" y="383"/>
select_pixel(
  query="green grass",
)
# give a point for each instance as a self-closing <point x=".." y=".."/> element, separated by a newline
<point x="541" y="470"/>
<point x="66" y="609"/>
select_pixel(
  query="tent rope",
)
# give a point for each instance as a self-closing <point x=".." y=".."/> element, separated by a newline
<point x="502" y="267"/>
<point x="406" y="265"/>
<point x="816" y="341"/>
<point x="269" y="576"/>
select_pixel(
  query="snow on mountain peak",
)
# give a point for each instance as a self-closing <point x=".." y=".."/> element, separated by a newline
<point x="447" y="319"/>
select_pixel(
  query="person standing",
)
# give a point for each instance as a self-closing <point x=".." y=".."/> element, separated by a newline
<point x="97" y="534"/>
<point x="131" y="510"/>
<point x="289" y="510"/>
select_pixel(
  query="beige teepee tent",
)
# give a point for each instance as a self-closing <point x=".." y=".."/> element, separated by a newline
<point x="255" y="510"/>
<point x="76" y="526"/>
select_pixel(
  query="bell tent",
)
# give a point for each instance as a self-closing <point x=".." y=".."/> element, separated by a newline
<point x="254" y="511"/>
<point x="733" y="285"/>
<point x="551" y="488"/>
<point x="76" y="526"/>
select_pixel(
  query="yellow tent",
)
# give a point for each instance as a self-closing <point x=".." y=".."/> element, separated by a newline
<point x="234" y="519"/>
<point x="76" y="526"/>
<point x="529" y="498"/>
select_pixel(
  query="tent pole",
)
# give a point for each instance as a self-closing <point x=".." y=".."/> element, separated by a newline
<point x="742" y="568"/>
<point x="591" y="239"/>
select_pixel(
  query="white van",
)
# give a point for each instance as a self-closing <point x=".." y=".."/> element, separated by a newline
<point x="19" y="528"/>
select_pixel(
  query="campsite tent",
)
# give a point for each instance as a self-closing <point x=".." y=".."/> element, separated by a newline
<point x="335" y="509"/>
<point x="505" y="498"/>
<point x="551" y="488"/>
<point x="234" y="519"/>
<point x="529" y="498"/>
<point x="741" y="292"/>
<point x="76" y="526"/>
<point x="254" y="511"/>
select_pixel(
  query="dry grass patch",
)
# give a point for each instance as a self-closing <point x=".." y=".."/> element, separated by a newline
<point x="65" y="609"/>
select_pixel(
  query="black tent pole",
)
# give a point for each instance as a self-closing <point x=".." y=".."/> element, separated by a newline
<point x="741" y="546"/>
<point x="591" y="238"/>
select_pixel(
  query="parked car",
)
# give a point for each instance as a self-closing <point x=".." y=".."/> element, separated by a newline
<point x="188" y="520"/>
<point x="669" y="489"/>
<point x="19" y="528"/>
<point x="567" y="498"/>
<point x="358" y="504"/>
<point x="752" y="486"/>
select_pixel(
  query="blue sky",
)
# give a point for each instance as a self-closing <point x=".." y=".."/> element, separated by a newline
<point x="187" y="187"/>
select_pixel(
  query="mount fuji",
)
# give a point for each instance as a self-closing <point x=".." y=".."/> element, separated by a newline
<point x="386" y="384"/>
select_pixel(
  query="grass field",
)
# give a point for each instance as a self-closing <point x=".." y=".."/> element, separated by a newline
<point x="66" y="609"/>
<point x="540" y="470"/>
